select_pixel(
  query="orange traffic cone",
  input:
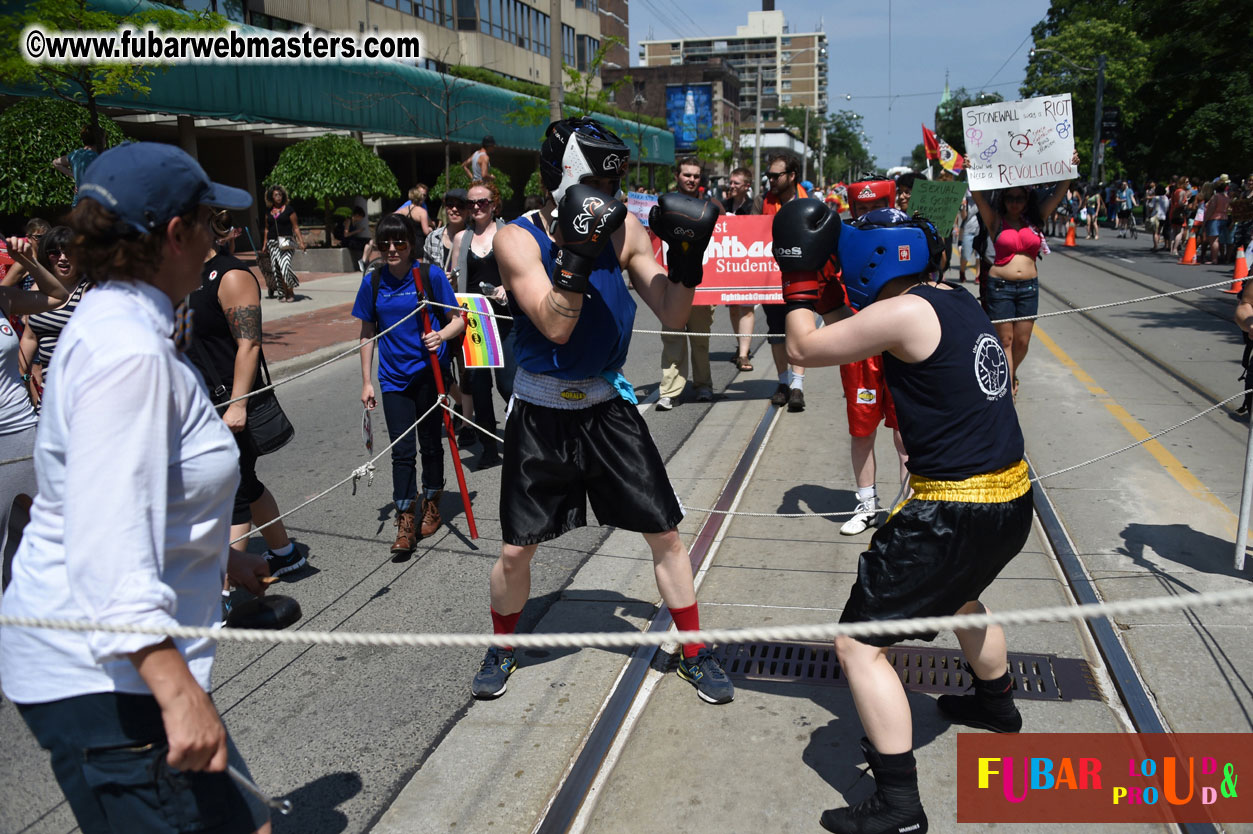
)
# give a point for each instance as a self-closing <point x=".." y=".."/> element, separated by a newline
<point x="1189" y="251"/>
<point x="1070" y="233"/>
<point x="1242" y="272"/>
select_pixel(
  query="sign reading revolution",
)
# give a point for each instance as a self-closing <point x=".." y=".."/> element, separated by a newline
<point x="1019" y="142"/>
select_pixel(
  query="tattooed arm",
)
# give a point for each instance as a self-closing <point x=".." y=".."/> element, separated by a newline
<point x="240" y="298"/>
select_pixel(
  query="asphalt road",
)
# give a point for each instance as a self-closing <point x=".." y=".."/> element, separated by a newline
<point x="339" y="732"/>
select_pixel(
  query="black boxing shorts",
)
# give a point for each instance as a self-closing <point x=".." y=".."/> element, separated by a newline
<point x="557" y="460"/>
<point x="941" y="549"/>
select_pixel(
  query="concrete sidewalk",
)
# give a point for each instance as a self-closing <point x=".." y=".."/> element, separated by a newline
<point x="782" y="751"/>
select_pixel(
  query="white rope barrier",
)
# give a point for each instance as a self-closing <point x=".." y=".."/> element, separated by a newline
<point x="365" y="470"/>
<point x="1034" y="480"/>
<point x="802" y="633"/>
<point x="321" y="365"/>
<point x="470" y="422"/>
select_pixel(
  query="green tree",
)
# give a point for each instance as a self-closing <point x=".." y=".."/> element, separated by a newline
<point x="918" y="158"/>
<point x="948" y="119"/>
<point x="84" y="84"/>
<point x="1082" y="42"/>
<point x="330" y="167"/>
<point x="457" y="179"/>
<point x="846" y="154"/>
<point x="716" y="149"/>
<point x="34" y="132"/>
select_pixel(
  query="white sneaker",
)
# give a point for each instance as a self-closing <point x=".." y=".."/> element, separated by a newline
<point x="866" y="516"/>
<point x="665" y="404"/>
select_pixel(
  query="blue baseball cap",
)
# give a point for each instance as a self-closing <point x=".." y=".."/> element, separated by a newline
<point x="146" y="184"/>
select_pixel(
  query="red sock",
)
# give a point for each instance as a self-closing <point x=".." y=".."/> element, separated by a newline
<point x="505" y="624"/>
<point x="688" y="619"/>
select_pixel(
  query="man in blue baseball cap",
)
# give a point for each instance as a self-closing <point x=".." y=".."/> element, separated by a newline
<point x="970" y="511"/>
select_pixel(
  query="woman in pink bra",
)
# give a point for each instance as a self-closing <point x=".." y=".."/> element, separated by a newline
<point x="1014" y="218"/>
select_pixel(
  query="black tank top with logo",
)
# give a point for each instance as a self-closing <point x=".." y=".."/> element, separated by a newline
<point x="955" y="411"/>
<point x="215" y="346"/>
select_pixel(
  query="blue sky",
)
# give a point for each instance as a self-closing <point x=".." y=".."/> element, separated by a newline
<point x="979" y="42"/>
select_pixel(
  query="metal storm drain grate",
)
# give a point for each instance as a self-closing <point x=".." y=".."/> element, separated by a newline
<point x="1037" y="677"/>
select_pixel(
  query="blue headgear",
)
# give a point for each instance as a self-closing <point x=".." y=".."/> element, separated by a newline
<point x="882" y="245"/>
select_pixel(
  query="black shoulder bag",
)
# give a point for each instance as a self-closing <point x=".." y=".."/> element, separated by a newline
<point x="267" y="427"/>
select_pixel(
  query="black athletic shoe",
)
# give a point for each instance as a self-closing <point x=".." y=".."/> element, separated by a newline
<point x="874" y="816"/>
<point x="280" y="565"/>
<point x="796" y="400"/>
<point x="971" y="711"/>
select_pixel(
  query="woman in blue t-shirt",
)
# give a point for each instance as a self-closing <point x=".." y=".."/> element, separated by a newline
<point x="386" y="296"/>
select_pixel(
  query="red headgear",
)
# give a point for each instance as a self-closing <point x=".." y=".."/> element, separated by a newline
<point x="868" y="191"/>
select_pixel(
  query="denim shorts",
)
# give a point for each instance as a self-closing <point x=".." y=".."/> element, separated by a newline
<point x="1010" y="299"/>
<point x="108" y="755"/>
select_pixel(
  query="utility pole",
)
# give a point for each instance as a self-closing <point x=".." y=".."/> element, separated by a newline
<point x="1097" y="156"/>
<point x="556" y="93"/>
<point x="757" y="138"/>
<point x="805" y="147"/>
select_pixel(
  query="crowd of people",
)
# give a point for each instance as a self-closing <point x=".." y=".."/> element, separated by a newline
<point x="140" y="298"/>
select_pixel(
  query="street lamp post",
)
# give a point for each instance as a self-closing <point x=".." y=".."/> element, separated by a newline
<point x="1099" y="69"/>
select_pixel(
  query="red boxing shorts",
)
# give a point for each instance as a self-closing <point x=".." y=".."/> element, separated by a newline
<point x="866" y="397"/>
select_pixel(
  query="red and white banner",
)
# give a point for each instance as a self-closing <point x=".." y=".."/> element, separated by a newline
<point x="739" y="263"/>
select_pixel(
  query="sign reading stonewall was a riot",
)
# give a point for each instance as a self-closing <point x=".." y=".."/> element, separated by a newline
<point x="739" y="263"/>
<point x="1019" y="142"/>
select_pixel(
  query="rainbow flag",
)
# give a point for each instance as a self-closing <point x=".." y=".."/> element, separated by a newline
<point x="481" y="348"/>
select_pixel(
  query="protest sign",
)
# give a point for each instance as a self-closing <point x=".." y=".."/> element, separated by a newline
<point x="1020" y="142"/>
<point x="739" y="263"/>
<point x="640" y="204"/>
<point x="938" y="202"/>
<point x="481" y="347"/>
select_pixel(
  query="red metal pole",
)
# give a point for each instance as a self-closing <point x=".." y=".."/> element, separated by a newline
<point x="452" y="434"/>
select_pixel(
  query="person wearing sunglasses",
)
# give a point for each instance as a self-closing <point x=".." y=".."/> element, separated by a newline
<point x="17" y="417"/>
<point x="43" y="329"/>
<point x="387" y="295"/>
<point x="438" y="246"/>
<point x="783" y="178"/>
<point x="474" y="262"/>
<point x="17" y="275"/>
<point x="1015" y="217"/>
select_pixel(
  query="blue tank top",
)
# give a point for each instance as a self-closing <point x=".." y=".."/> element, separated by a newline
<point x="603" y="333"/>
<point x="954" y="408"/>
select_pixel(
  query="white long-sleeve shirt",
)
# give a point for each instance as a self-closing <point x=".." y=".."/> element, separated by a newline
<point x="137" y="475"/>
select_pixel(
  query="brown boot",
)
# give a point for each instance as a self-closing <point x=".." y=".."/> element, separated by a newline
<point x="430" y="514"/>
<point x="406" y="534"/>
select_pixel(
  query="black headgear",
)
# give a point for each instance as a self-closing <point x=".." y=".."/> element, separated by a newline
<point x="578" y="148"/>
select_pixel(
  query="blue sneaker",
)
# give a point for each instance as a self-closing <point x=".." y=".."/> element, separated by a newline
<point x="704" y="673"/>
<point x="493" y="677"/>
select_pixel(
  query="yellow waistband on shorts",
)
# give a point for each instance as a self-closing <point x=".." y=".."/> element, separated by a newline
<point x="990" y="488"/>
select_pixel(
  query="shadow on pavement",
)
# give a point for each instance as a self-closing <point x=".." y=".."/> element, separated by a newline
<point x="313" y="806"/>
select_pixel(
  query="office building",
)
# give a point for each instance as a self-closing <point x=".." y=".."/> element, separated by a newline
<point x="790" y="67"/>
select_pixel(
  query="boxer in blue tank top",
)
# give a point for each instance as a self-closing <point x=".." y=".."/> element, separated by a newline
<point x="573" y="433"/>
<point x="970" y="509"/>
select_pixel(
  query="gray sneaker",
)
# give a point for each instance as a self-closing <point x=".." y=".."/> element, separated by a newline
<point x="665" y="403"/>
<point x="493" y="677"/>
<point x="704" y="673"/>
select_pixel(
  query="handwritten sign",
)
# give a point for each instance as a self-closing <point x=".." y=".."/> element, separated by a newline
<point x="640" y="204"/>
<point x="739" y="263"/>
<point x="1020" y="142"/>
<point x="937" y="201"/>
<point x="481" y="347"/>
